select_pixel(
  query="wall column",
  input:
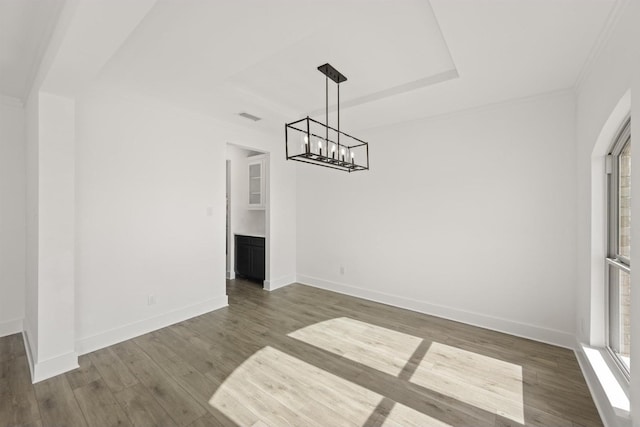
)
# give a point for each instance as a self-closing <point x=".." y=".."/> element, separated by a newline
<point x="52" y="348"/>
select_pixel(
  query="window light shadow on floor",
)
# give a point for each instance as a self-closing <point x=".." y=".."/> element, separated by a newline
<point x="278" y="389"/>
<point x="379" y="348"/>
<point x="275" y="386"/>
<point x="482" y="381"/>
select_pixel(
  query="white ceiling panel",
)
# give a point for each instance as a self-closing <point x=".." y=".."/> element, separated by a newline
<point x="380" y="49"/>
<point x="404" y="59"/>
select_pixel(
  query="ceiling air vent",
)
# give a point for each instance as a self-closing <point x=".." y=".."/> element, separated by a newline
<point x="250" y="116"/>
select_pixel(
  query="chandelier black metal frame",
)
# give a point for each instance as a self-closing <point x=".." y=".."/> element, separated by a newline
<point x="310" y="141"/>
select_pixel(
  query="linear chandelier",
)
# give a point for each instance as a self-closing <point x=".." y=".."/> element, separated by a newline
<point x="310" y="141"/>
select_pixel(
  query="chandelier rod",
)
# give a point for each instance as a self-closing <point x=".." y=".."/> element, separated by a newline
<point x="326" y="108"/>
<point x="338" y="114"/>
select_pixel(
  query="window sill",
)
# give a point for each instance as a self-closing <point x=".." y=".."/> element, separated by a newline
<point x="610" y="392"/>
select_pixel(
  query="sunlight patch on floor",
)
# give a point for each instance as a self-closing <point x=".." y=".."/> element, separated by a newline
<point x="484" y="382"/>
<point x="379" y="348"/>
<point x="275" y="389"/>
<point x="403" y="416"/>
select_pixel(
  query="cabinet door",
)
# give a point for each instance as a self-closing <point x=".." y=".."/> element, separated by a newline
<point x="243" y="259"/>
<point x="258" y="262"/>
<point x="256" y="184"/>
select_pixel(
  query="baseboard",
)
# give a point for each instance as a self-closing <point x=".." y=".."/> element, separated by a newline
<point x="549" y="336"/>
<point x="606" y="411"/>
<point x="10" y="327"/>
<point x="132" y="330"/>
<point x="46" y="369"/>
<point x="231" y="275"/>
<point x="51" y="367"/>
<point x="272" y="285"/>
<point x="54" y="366"/>
<point x="27" y="350"/>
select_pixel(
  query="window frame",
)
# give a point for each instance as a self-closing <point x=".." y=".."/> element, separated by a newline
<point x="614" y="260"/>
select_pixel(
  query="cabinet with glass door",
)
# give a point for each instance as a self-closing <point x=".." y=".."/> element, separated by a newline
<point x="256" y="183"/>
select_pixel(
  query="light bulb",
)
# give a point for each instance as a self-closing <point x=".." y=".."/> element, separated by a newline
<point x="333" y="148"/>
<point x="319" y="144"/>
<point x="342" y="151"/>
<point x="352" y="155"/>
<point x="306" y="139"/>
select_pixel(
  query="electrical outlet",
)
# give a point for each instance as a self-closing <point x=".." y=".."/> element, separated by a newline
<point x="151" y="300"/>
<point x="342" y="269"/>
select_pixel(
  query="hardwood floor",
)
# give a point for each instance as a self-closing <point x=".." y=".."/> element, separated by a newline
<point x="308" y="357"/>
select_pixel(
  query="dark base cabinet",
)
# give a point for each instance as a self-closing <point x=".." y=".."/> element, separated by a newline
<point x="250" y="256"/>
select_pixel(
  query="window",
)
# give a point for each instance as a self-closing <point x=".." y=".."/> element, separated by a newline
<point x="619" y="249"/>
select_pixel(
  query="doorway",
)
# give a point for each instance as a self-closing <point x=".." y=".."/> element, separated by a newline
<point x="247" y="213"/>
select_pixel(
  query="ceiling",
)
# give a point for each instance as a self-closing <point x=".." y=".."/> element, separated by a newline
<point x="404" y="59"/>
<point x="25" y="28"/>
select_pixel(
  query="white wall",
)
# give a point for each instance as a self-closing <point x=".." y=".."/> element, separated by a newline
<point x="242" y="219"/>
<point x="603" y="99"/>
<point x="50" y="297"/>
<point x="601" y="90"/>
<point x="12" y="216"/>
<point x="31" y="294"/>
<point x="147" y="177"/>
<point x="56" y="223"/>
<point x="142" y="215"/>
<point x="469" y="216"/>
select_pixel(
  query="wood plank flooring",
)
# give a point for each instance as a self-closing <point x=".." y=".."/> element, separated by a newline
<point x="307" y="357"/>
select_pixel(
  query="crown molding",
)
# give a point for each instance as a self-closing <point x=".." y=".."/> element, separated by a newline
<point x="476" y="109"/>
<point x="601" y="41"/>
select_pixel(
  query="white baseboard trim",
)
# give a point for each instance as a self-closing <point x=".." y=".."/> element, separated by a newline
<point x="607" y="413"/>
<point x="54" y="366"/>
<point x="231" y="275"/>
<point x="51" y="367"/>
<point x="27" y="350"/>
<point x="272" y="285"/>
<point x="549" y="336"/>
<point x="105" y="339"/>
<point x="10" y="327"/>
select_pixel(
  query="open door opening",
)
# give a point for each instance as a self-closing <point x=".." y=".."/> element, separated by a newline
<point x="247" y="205"/>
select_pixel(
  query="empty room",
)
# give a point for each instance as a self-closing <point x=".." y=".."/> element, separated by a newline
<point x="318" y="213"/>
